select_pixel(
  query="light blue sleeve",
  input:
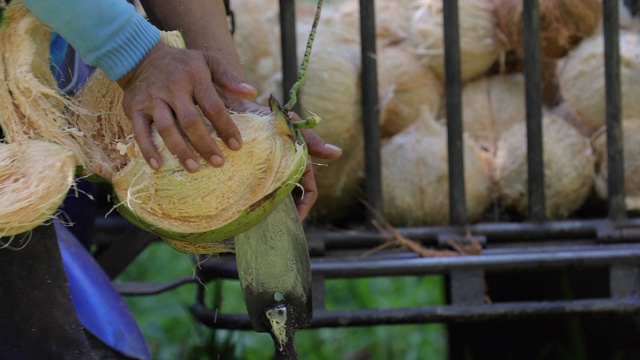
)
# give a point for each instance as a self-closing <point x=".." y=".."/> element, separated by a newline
<point x="108" y="34"/>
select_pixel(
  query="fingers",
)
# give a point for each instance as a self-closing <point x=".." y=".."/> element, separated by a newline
<point x="318" y="147"/>
<point x="141" y="126"/>
<point x="226" y="80"/>
<point x="305" y="202"/>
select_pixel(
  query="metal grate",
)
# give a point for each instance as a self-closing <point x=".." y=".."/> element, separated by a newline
<point x="534" y="245"/>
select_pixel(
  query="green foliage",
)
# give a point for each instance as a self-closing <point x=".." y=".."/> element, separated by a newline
<point x="172" y="333"/>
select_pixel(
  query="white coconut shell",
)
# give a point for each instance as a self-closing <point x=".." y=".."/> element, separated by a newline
<point x="582" y="82"/>
<point x="415" y="176"/>
<point x="480" y="43"/>
<point x="631" y="156"/>
<point x="568" y="168"/>
<point x="405" y="87"/>
<point x="491" y="105"/>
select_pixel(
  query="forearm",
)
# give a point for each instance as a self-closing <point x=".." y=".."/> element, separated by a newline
<point x="203" y="24"/>
<point x="108" y="34"/>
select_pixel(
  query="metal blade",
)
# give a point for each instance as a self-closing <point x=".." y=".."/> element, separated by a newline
<point x="275" y="274"/>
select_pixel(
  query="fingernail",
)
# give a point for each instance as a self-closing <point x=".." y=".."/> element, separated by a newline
<point x="153" y="162"/>
<point x="192" y="165"/>
<point x="332" y="147"/>
<point x="247" y="87"/>
<point x="216" y="160"/>
<point x="234" y="144"/>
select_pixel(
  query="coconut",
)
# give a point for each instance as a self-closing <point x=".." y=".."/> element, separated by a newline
<point x="491" y="105"/>
<point x="405" y="87"/>
<point x="415" y="176"/>
<point x="480" y="43"/>
<point x="35" y="177"/>
<point x="631" y="156"/>
<point x="259" y="57"/>
<point x="563" y="23"/>
<point x="582" y="82"/>
<point x="568" y="167"/>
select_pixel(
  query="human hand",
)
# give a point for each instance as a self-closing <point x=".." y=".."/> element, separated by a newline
<point x="166" y="89"/>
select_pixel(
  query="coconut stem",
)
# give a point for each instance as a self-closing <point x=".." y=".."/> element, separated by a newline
<point x="293" y="98"/>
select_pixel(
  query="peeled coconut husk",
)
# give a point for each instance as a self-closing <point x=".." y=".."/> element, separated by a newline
<point x="631" y="156"/>
<point x="35" y="108"/>
<point x="563" y="23"/>
<point x="415" y="176"/>
<point x="491" y="105"/>
<point x="582" y="82"/>
<point x="35" y="177"/>
<point x="405" y="88"/>
<point x="568" y="168"/>
<point x="480" y="43"/>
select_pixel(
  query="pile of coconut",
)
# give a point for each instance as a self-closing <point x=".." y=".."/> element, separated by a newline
<point x="413" y="120"/>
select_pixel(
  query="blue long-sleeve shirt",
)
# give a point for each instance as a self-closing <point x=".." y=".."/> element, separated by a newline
<point x="108" y="34"/>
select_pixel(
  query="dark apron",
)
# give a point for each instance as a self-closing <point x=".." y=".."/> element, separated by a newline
<point x="37" y="318"/>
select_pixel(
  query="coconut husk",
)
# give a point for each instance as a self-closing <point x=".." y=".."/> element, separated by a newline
<point x="415" y="175"/>
<point x="568" y="168"/>
<point x="563" y="24"/>
<point x="491" y="105"/>
<point x="582" y="82"/>
<point x="406" y="87"/>
<point x="480" y="42"/>
<point x="35" y="177"/>
<point x="631" y="156"/>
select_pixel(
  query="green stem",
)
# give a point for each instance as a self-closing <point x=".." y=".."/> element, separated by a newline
<point x="293" y="98"/>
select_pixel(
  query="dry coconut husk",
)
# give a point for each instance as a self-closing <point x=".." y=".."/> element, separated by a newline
<point x="568" y="167"/>
<point x="35" y="177"/>
<point x="37" y="108"/>
<point x="405" y="88"/>
<point x="563" y="24"/>
<point x="491" y="105"/>
<point x="415" y="176"/>
<point x="631" y="156"/>
<point x="480" y="43"/>
<point x="582" y="82"/>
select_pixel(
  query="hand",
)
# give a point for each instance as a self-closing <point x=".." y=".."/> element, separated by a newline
<point x="164" y="90"/>
<point x="319" y="148"/>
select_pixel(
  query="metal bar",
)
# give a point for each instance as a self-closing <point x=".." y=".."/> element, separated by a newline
<point x="624" y="281"/>
<point x="615" y="162"/>
<point x="288" y="48"/>
<point x="600" y="256"/>
<point x="494" y="232"/>
<point x="370" y="110"/>
<point x="457" y="199"/>
<point x="533" y="96"/>
<point x="445" y="313"/>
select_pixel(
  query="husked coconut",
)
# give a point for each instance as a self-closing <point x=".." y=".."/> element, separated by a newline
<point x="491" y="105"/>
<point x="35" y="177"/>
<point x="480" y="43"/>
<point x="631" y="156"/>
<point x="405" y="87"/>
<point x="563" y="23"/>
<point x="415" y="176"/>
<point x="568" y="167"/>
<point x="582" y="82"/>
<point x="257" y="39"/>
<point x="391" y="21"/>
